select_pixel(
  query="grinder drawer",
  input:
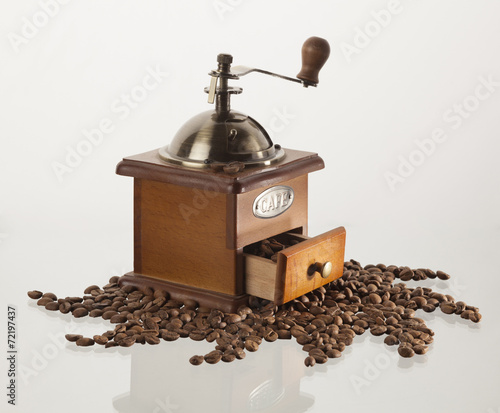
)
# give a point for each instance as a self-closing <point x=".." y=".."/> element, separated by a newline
<point x="300" y="268"/>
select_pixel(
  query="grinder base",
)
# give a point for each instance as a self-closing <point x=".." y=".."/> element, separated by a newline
<point x="205" y="298"/>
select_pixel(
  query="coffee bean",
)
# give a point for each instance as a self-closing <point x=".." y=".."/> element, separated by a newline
<point x="391" y="340"/>
<point x="52" y="296"/>
<point x="197" y="335"/>
<point x="405" y="338"/>
<point x="213" y="357"/>
<point x="233" y="318"/>
<point x="151" y="339"/>
<point x="108" y="314"/>
<point x="375" y="298"/>
<point x="461" y="306"/>
<point x="310" y="361"/>
<point x="118" y="318"/>
<point x="169" y="335"/>
<point x="190" y="304"/>
<point x="378" y="330"/>
<point x="96" y="313"/>
<point x="88" y="290"/>
<point x="151" y="324"/>
<point x="420" y="349"/>
<point x="80" y="312"/>
<point x="35" y="294"/>
<point x="85" y="342"/>
<point x="442" y="275"/>
<point x="52" y="306"/>
<point x="284" y="334"/>
<point x="251" y="345"/>
<point x="475" y="317"/>
<point x="228" y="358"/>
<point x="73" y="337"/>
<point x="102" y="340"/>
<point x="239" y="353"/>
<point x="318" y="355"/>
<point x="428" y="308"/>
<point x="65" y="307"/>
<point x="44" y="301"/>
<point x="304" y="339"/>
<point x="196" y="360"/>
<point x="333" y="353"/>
<point x="126" y="341"/>
<point x="406" y="275"/>
<point x="406" y="351"/>
<point x="448" y="307"/>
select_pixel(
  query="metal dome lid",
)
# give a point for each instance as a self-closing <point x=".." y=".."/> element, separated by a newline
<point x="214" y="138"/>
<point x="228" y="139"/>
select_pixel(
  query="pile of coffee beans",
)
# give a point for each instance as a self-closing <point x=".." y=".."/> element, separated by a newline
<point x="269" y="248"/>
<point x="324" y="322"/>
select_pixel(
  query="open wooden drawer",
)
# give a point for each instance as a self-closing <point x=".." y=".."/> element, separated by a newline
<point x="300" y="268"/>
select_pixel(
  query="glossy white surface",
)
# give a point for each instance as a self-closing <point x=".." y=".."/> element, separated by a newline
<point x="63" y="235"/>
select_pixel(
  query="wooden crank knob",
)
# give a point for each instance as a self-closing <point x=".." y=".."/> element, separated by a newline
<point x="315" y="52"/>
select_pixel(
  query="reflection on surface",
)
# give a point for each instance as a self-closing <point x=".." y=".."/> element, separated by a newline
<point x="162" y="380"/>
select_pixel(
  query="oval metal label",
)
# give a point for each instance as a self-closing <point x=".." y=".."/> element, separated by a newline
<point x="273" y="201"/>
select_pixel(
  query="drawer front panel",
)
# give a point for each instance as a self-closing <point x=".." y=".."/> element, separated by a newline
<point x="293" y="275"/>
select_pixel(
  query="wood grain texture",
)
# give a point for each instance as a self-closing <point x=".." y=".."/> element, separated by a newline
<point x="183" y="237"/>
<point x="260" y="276"/>
<point x="149" y="166"/>
<point x="249" y="229"/>
<point x="205" y="298"/>
<point x="288" y="278"/>
<point x="137" y="226"/>
<point x="292" y="278"/>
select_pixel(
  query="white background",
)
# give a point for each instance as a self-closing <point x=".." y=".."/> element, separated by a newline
<point x="369" y="110"/>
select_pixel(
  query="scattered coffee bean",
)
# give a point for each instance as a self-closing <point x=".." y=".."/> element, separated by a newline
<point x="96" y="313"/>
<point x="85" y="342"/>
<point x="334" y="353"/>
<point x="406" y="351"/>
<point x="52" y="306"/>
<point x="310" y="361"/>
<point x="475" y="317"/>
<point x="239" y="353"/>
<point x="65" y="307"/>
<point x="442" y="275"/>
<point x="391" y="340"/>
<point x="420" y="349"/>
<point x="196" y="360"/>
<point x="35" y="294"/>
<point x="228" y="358"/>
<point x="378" y="330"/>
<point x="73" y="337"/>
<point x="118" y="318"/>
<point x="169" y="335"/>
<point x="100" y="339"/>
<point x="88" y="290"/>
<point x="52" y="296"/>
<point x="44" y="301"/>
<point x="213" y="357"/>
<point x="448" y="307"/>
<point x="284" y="334"/>
<point x="323" y="321"/>
<point x="150" y="339"/>
<point x="125" y="341"/>
<point x="80" y="312"/>
<point x="251" y="345"/>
